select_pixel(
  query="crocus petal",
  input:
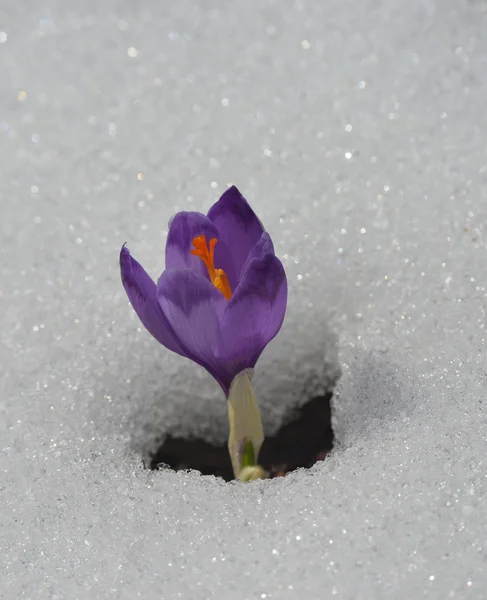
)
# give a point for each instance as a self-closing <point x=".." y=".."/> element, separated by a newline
<point x="264" y="246"/>
<point x="193" y="306"/>
<point x="183" y="228"/>
<point x="141" y="291"/>
<point x="254" y="314"/>
<point x="239" y="230"/>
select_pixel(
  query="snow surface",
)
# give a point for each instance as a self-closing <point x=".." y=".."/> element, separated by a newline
<point x="358" y="132"/>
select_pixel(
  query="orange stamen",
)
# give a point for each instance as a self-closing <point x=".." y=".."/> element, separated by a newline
<point x="218" y="277"/>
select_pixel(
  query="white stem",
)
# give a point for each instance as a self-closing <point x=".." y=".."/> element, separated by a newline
<point x="244" y="419"/>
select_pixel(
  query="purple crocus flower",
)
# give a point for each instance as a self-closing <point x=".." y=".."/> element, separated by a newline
<point x="223" y="295"/>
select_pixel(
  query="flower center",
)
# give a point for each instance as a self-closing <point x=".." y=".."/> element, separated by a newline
<point x="207" y="254"/>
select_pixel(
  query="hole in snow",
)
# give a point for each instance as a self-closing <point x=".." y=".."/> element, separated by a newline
<point x="305" y="438"/>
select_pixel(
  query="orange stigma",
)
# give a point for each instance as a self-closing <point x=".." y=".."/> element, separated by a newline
<point x="218" y="277"/>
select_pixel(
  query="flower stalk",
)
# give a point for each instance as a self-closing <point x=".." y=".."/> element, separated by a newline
<point x="246" y="432"/>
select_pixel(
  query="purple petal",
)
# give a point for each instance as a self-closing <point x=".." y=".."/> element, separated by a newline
<point x="141" y="291"/>
<point x="194" y="306"/>
<point x="255" y="313"/>
<point x="264" y="246"/>
<point x="183" y="228"/>
<point x="239" y="230"/>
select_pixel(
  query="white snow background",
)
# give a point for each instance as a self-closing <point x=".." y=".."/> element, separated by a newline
<point x="357" y="130"/>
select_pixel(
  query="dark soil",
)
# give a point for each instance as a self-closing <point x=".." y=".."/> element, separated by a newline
<point x="303" y="440"/>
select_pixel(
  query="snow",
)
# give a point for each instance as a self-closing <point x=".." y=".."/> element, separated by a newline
<point x="357" y="131"/>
